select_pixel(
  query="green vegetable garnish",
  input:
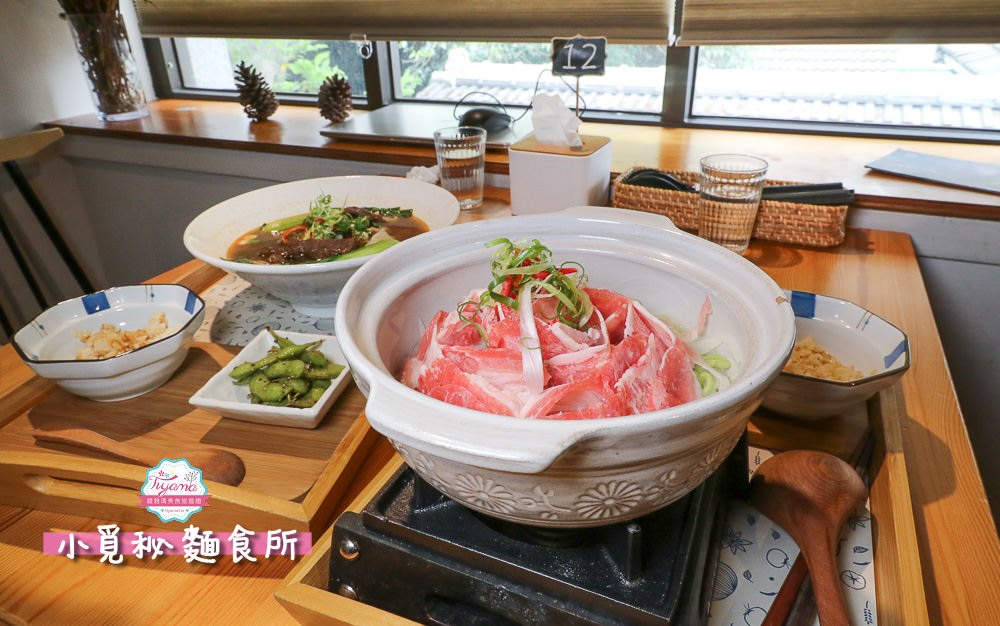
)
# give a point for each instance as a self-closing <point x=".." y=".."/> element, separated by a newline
<point x="284" y="223"/>
<point x="326" y="221"/>
<point x="718" y="361"/>
<point x="529" y="265"/>
<point x="372" y="248"/>
<point x="705" y="378"/>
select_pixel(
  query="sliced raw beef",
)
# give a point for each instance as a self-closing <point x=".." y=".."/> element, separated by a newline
<point x="625" y="361"/>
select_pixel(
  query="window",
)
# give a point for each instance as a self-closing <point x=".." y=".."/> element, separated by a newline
<point x="936" y="90"/>
<point x="917" y="85"/>
<point x="290" y="66"/>
<point x="511" y="72"/>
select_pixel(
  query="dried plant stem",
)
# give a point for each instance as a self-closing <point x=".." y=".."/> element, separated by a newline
<point x="103" y="44"/>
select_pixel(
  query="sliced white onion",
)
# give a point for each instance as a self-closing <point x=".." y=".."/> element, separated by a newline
<point x="531" y="347"/>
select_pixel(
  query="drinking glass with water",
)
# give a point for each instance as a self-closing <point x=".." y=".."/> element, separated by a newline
<point x="461" y="156"/>
<point x="728" y="197"/>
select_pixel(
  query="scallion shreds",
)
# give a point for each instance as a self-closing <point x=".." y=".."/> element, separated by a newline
<point x="328" y="221"/>
<point x="472" y="320"/>
<point x="528" y="265"/>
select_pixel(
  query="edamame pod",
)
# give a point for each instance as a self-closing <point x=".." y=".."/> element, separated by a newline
<point x="310" y="398"/>
<point x="278" y="339"/>
<point x="292" y="368"/>
<point x="314" y="358"/>
<point x="296" y="385"/>
<point x="258" y="382"/>
<point x="242" y="370"/>
<point x="294" y="350"/>
<point x="332" y="370"/>
<point x="289" y="374"/>
<point x="274" y="392"/>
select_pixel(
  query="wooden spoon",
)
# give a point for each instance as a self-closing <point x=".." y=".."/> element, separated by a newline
<point x="221" y="466"/>
<point x="810" y="494"/>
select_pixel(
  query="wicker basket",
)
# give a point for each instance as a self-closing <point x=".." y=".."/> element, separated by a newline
<point x="788" y="222"/>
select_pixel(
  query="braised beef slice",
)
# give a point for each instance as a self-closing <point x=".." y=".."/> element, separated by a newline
<point x="356" y="211"/>
<point x="299" y="251"/>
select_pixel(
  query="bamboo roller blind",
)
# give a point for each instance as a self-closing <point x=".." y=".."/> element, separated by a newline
<point x="838" y="21"/>
<point x="492" y="20"/>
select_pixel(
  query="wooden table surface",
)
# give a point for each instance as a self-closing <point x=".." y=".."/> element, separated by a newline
<point x="959" y="549"/>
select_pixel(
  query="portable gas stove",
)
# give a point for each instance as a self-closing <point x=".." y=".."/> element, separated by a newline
<point x="416" y="553"/>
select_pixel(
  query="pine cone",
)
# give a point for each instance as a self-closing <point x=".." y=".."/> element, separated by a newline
<point x="256" y="96"/>
<point x="335" y="99"/>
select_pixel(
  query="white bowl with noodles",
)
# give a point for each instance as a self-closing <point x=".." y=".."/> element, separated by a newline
<point x="49" y="346"/>
<point x="565" y="473"/>
<point x="852" y="335"/>
<point x="313" y="288"/>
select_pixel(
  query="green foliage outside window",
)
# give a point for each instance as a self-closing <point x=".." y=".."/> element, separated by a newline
<point x="299" y="65"/>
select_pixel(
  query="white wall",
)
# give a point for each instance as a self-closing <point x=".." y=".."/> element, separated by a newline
<point x="123" y="206"/>
<point x="40" y="79"/>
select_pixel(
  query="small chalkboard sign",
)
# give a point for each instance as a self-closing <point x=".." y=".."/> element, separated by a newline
<point x="579" y="56"/>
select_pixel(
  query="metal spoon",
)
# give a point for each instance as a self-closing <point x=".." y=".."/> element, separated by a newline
<point x="810" y="494"/>
<point x="220" y="466"/>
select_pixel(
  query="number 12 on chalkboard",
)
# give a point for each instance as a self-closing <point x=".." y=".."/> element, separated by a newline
<point x="579" y="56"/>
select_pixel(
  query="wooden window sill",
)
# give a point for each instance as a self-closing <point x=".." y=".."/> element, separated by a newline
<point x="807" y="158"/>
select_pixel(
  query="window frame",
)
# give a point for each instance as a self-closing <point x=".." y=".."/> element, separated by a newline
<point x="382" y="73"/>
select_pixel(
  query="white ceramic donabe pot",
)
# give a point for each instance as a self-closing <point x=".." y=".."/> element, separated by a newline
<point x="564" y="473"/>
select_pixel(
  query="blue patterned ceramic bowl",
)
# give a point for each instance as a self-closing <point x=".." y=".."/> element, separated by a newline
<point x="49" y="346"/>
<point x="854" y="336"/>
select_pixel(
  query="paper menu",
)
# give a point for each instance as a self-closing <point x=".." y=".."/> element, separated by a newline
<point x="960" y="173"/>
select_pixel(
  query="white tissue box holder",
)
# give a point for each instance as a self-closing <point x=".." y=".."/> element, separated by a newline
<point x="547" y="178"/>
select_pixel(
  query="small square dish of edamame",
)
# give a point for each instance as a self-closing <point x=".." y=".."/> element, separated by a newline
<point x="280" y="378"/>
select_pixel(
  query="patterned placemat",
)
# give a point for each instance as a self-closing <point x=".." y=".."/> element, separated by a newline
<point x="236" y="311"/>
<point x="756" y="555"/>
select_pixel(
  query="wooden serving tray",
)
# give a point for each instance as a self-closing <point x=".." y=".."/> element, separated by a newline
<point x="899" y="581"/>
<point x="294" y="477"/>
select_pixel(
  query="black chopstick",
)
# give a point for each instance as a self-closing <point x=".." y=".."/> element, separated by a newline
<point x="803" y="187"/>
<point x="828" y="197"/>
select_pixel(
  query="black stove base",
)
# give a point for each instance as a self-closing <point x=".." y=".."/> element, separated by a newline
<point x="420" y="555"/>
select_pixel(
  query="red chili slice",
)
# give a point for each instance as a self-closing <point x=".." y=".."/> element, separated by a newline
<point x="284" y="235"/>
<point x="564" y="270"/>
<point x="508" y="283"/>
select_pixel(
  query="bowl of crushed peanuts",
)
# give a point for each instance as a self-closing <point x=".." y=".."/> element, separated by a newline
<point x="843" y="355"/>
<point x="113" y="344"/>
